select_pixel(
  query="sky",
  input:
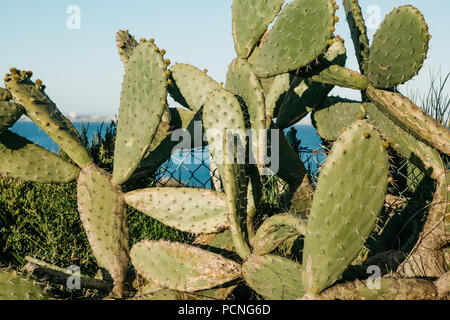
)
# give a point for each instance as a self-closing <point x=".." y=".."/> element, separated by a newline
<point x="83" y="73"/>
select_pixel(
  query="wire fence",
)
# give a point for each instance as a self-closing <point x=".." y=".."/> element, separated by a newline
<point x="191" y="167"/>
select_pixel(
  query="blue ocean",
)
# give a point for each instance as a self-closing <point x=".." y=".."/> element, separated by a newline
<point x="191" y="168"/>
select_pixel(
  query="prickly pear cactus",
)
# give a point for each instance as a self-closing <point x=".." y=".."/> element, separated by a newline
<point x="102" y="213"/>
<point x="125" y="44"/>
<point x="182" y="267"/>
<point x="335" y="115"/>
<point x="194" y="84"/>
<point x="223" y="118"/>
<point x="14" y="286"/>
<point x="338" y="75"/>
<point x="5" y="95"/>
<point x="195" y="211"/>
<point x="274" y="277"/>
<point x="390" y="289"/>
<point x="358" y="32"/>
<point x="284" y="72"/>
<point x="250" y="22"/>
<point x="286" y="48"/>
<point x="43" y="111"/>
<point x="420" y="154"/>
<point x="243" y="82"/>
<point x="399" y="48"/>
<point x="22" y="159"/>
<point x="144" y="96"/>
<point x="276" y="230"/>
<point x="350" y="194"/>
<point x="411" y="118"/>
<point x="9" y="114"/>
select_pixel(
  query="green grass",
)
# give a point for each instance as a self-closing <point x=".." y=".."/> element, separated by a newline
<point x="435" y="102"/>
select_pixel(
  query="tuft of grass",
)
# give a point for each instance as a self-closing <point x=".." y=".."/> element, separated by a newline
<point x="435" y="102"/>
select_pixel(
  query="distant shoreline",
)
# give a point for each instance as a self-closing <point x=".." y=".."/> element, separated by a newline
<point x="106" y="119"/>
<point x="92" y="119"/>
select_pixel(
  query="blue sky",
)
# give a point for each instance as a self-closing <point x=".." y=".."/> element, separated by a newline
<point x="83" y="72"/>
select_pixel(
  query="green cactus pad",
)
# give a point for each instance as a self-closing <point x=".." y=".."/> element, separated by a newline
<point x="222" y="115"/>
<point x="250" y="22"/>
<point x="164" y="129"/>
<point x="242" y="82"/>
<point x="195" y="211"/>
<point x="222" y="240"/>
<point x="336" y="54"/>
<point x="160" y="295"/>
<point x="287" y="49"/>
<point x="235" y="185"/>
<point x="343" y="77"/>
<point x="301" y="198"/>
<point x="220" y="293"/>
<point x="125" y="44"/>
<point x="390" y="289"/>
<point x="350" y="193"/>
<point x="254" y="195"/>
<point x="14" y="286"/>
<point x="358" y="32"/>
<point x="277" y="93"/>
<point x="5" y="95"/>
<point x="9" y="114"/>
<point x="266" y="83"/>
<point x="399" y="48"/>
<point x="144" y="97"/>
<point x="446" y="196"/>
<point x="411" y="118"/>
<point x="181" y="267"/>
<point x="195" y="85"/>
<point x="46" y="116"/>
<point x="335" y="115"/>
<point x="274" y="277"/>
<point x="420" y="154"/>
<point x="276" y="230"/>
<point x="172" y="295"/>
<point x="102" y="212"/>
<point x="22" y="159"/>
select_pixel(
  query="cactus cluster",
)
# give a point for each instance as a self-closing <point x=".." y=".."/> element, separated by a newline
<point x="281" y="74"/>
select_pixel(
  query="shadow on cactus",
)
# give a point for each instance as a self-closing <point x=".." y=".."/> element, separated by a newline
<point x="281" y="74"/>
